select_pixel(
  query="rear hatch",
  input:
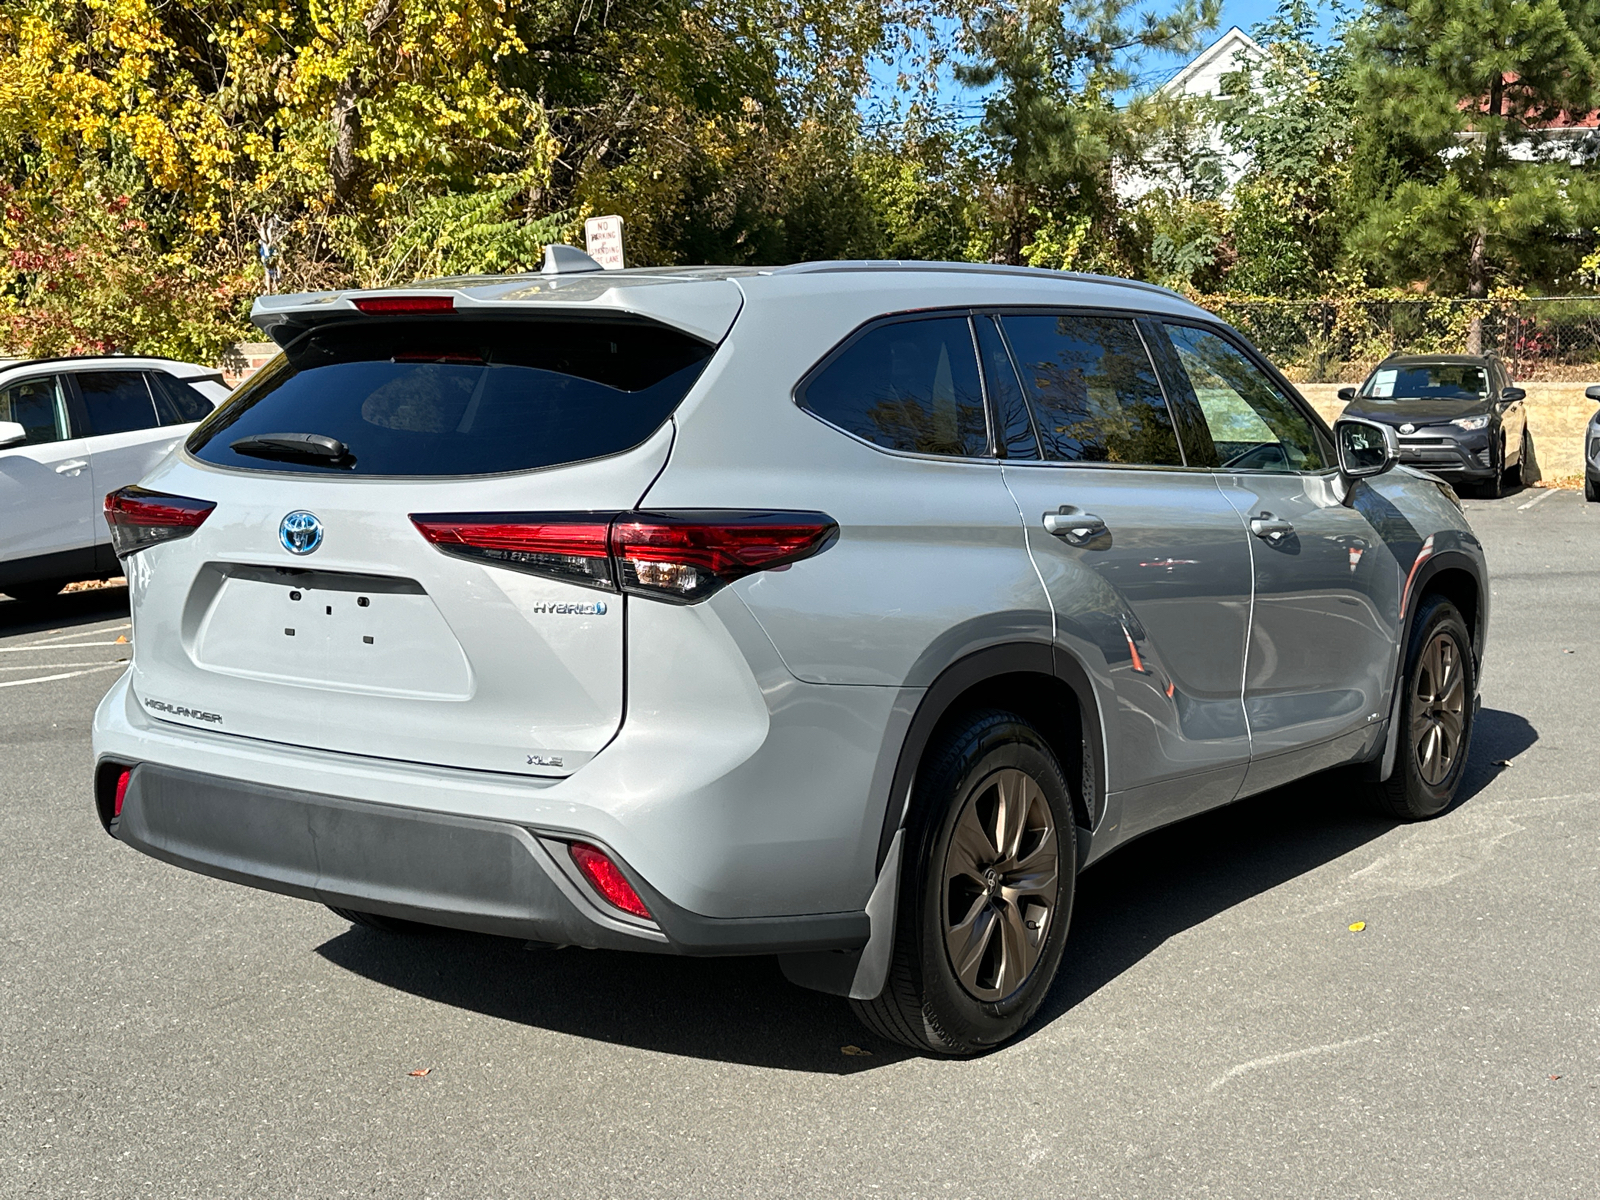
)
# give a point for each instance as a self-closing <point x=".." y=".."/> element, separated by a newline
<point x="309" y="608"/>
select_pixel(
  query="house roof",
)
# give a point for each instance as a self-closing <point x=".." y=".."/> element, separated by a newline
<point x="1219" y="56"/>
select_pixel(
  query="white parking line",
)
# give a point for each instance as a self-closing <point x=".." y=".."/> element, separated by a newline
<point x="1543" y="495"/>
<point x="56" y="666"/>
<point x="67" y="637"/>
<point x="73" y="646"/>
<point x="67" y="675"/>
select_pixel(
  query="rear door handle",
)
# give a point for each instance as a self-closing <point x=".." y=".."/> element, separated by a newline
<point x="1074" y="527"/>
<point x="1273" y="529"/>
<point x="71" y="467"/>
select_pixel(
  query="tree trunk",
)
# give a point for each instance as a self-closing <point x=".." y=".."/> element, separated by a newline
<point x="1477" y="288"/>
<point x="343" y="165"/>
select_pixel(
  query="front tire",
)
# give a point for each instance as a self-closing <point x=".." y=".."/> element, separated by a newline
<point x="1525" y="460"/>
<point x="1436" y="716"/>
<point x="986" y="892"/>
<point x="1591" y="491"/>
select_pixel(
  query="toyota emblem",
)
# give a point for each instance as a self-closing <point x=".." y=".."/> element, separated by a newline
<point x="300" y="532"/>
<point x="1408" y="427"/>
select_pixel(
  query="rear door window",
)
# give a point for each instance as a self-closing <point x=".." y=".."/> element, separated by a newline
<point x="36" y="405"/>
<point x="459" y="396"/>
<point x="1095" y="395"/>
<point x="906" y="385"/>
<point x="178" y="403"/>
<point x="116" y="401"/>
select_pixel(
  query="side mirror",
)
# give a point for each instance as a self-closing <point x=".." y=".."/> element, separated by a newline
<point x="1512" y="394"/>
<point x="1365" y="447"/>
<point x="1347" y="393"/>
<point x="1592" y="392"/>
<point x="12" y="434"/>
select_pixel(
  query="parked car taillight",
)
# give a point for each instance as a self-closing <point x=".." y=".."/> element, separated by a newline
<point x="677" y="556"/>
<point x="140" y="518"/>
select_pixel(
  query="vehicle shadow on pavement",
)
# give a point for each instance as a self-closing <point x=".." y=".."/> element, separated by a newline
<point x="742" y="1010"/>
<point x="62" y="612"/>
<point x="1178" y="877"/>
<point x="735" y="1010"/>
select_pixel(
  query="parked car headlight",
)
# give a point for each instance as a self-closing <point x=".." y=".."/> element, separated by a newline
<point x="1470" y="423"/>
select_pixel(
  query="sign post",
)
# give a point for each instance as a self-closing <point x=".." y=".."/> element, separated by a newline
<point x="602" y="238"/>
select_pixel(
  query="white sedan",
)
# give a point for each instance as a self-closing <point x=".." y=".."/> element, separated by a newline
<point x="71" y="430"/>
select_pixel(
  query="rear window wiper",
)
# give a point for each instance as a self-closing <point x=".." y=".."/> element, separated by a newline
<point x="304" y="447"/>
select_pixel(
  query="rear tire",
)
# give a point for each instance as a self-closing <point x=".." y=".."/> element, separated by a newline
<point x="1436" y="716"/>
<point x="36" y="593"/>
<point x="1591" y="492"/>
<point x="377" y="921"/>
<point x="1494" y="487"/>
<point x="987" y="880"/>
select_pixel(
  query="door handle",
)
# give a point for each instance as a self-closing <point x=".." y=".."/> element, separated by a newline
<point x="1074" y="527"/>
<point x="1273" y="529"/>
<point x="71" y="467"/>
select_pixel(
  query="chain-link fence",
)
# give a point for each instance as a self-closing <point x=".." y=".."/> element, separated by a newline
<point x="1340" y="339"/>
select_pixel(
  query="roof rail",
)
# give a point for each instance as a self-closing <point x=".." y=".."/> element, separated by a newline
<point x="818" y="268"/>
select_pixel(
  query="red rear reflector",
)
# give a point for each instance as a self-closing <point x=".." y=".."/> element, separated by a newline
<point x="569" y="546"/>
<point x="607" y="879"/>
<point x="141" y="518"/>
<point x="401" y="305"/>
<point x="688" y="555"/>
<point x="122" y="791"/>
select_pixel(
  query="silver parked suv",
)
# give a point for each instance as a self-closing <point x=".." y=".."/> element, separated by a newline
<point x="842" y="612"/>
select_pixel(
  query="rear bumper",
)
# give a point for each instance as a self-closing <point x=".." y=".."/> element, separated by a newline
<point x="461" y="872"/>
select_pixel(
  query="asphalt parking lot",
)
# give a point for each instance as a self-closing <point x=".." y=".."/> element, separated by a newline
<point x="1218" y="1030"/>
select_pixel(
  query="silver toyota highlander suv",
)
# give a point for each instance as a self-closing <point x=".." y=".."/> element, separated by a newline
<point x="842" y="612"/>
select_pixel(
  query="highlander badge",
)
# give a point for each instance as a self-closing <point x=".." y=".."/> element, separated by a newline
<point x="300" y="532"/>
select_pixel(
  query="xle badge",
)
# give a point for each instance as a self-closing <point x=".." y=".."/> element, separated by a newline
<point x="544" y="760"/>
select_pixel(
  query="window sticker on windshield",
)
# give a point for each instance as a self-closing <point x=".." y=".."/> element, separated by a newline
<point x="1383" y="384"/>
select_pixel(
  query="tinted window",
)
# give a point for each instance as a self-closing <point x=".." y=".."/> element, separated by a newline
<point x="177" y="402"/>
<point x="1438" y="381"/>
<point x="1095" y="395"/>
<point x="909" y="385"/>
<point x="1005" y="392"/>
<point x="36" y="405"/>
<point x="459" y="396"/>
<point x="1254" y="425"/>
<point x="118" y="401"/>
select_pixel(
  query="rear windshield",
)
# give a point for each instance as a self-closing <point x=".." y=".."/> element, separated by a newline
<point x="1442" y="381"/>
<point x="457" y="396"/>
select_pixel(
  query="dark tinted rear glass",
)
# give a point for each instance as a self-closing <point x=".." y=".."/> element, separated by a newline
<point x="458" y="396"/>
<point x="907" y="385"/>
<point x="178" y="402"/>
<point x="118" y="401"/>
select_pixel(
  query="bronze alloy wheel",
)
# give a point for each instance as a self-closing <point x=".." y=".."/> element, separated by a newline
<point x="1000" y="876"/>
<point x="1438" y="708"/>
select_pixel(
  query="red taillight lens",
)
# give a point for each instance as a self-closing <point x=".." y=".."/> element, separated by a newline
<point x="404" y="305"/>
<point x="677" y="556"/>
<point x="685" y="556"/>
<point x="569" y="546"/>
<point x="600" y="871"/>
<point x="121" y="792"/>
<point x="141" y="518"/>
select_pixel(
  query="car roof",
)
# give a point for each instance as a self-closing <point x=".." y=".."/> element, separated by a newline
<point x="703" y="301"/>
<point x="1426" y="360"/>
<point x="77" y="362"/>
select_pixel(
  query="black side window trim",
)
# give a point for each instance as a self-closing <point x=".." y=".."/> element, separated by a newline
<point x="966" y="312"/>
<point x="1234" y="338"/>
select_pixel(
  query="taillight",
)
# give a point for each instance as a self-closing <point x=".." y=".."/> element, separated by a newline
<point x="608" y="879"/>
<point x="141" y="518"/>
<point x="404" y="305"/>
<point x="568" y="546"/>
<point x="686" y="556"/>
<point x="678" y="556"/>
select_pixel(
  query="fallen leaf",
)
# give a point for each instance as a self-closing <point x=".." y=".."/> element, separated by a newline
<point x="855" y="1050"/>
<point x="420" y="1072"/>
<point x="1555" y="1077"/>
<point x="122" y="639"/>
<point x="1358" y="927"/>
